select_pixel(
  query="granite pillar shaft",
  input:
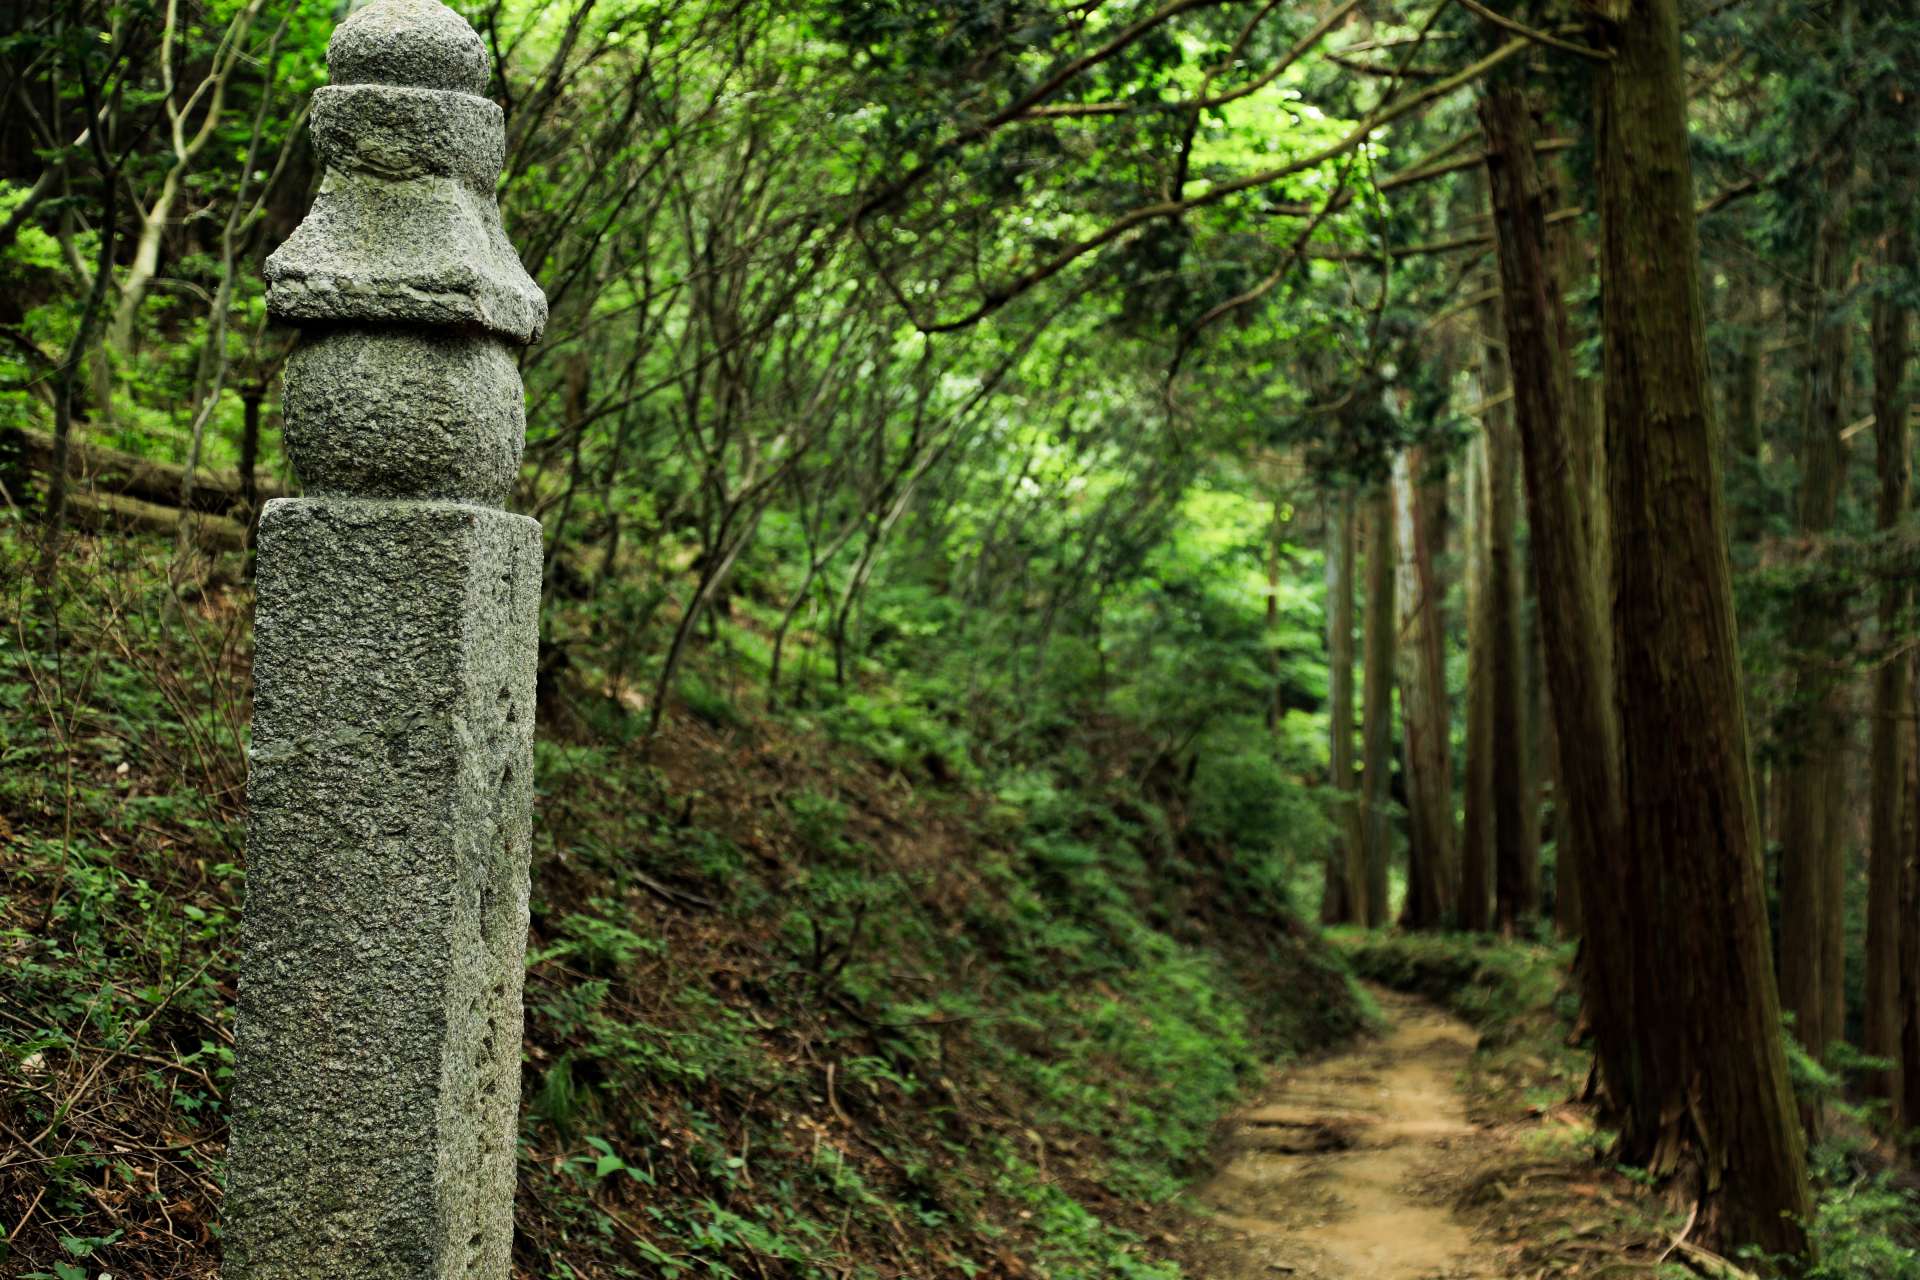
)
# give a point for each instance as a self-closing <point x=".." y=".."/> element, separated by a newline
<point x="387" y="906"/>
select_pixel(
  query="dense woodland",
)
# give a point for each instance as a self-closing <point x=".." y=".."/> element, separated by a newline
<point x="1043" y="502"/>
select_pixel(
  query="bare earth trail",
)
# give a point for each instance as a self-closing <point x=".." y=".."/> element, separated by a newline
<point x="1345" y="1171"/>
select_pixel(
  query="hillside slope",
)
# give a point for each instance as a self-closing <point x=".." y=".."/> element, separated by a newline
<point x="810" y="993"/>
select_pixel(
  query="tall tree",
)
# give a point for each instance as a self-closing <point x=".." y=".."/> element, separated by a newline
<point x="1516" y="847"/>
<point x="1476" y="835"/>
<point x="1746" y="379"/>
<point x="1705" y="1095"/>
<point x="1745" y="434"/>
<point x="1812" y="788"/>
<point x="1908" y="1028"/>
<point x="1572" y="253"/>
<point x="1345" y="900"/>
<point x="1424" y="719"/>
<point x="1500" y="857"/>
<point x="1566" y="873"/>
<point x="1891" y="801"/>
<point x="1564" y="524"/>
<point x="1376" y="736"/>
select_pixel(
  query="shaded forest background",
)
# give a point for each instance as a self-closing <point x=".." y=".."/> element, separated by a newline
<point x="1039" y="501"/>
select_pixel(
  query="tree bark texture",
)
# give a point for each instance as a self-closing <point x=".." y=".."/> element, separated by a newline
<point x="1745" y="381"/>
<point x="94" y="468"/>
<point x="1566" y="557"/>
<point x="1424" y="719"/>
<point x="1516" y="846"/>
<point x="1376" y="747"/>
<point x="1477" y="834"/>
<point x="1891" y="330"/>
<point x="1908" y="1108"/>
<point x="1698" y="1061"/>
<point x="1813" y="868"/>
<point x="1345" y="901"/>
<point x="1584" y="452"/>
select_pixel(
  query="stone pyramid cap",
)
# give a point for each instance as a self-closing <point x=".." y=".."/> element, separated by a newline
<point x="406" y="228"/>
<point x="420" y="43"/>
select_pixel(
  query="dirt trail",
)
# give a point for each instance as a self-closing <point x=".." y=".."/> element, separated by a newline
<point x="1343" y="1173"/>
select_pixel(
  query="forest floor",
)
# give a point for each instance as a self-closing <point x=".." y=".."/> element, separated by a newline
<point x="1351" y="1166"/>
<point x="826" y="989"/>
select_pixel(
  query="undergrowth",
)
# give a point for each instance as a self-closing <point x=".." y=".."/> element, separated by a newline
<point x="828" y="990"/>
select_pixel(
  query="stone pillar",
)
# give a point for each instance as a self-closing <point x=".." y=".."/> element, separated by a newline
<point x="390" y="785"/>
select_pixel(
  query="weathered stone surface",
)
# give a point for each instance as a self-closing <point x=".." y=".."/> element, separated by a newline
<point x="391" y="132"/>
<point x="426" y="251"/>
<point x="383" y="943"/>
<point x="425" y="246"/>
<point x="416" y="42"/>
<point x="406" y="226"/>
<point x="404" y="413"/>
<point x="378" y="1039"/>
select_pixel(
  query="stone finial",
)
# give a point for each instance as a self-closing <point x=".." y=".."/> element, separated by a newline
<point x="406" y="226"/>
<point x="421" y="43"/>
<point x="402" y="273"/>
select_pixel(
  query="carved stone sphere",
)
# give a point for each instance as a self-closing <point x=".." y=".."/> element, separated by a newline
<point x="375" y="412"/>
<point x="420" y="43"/>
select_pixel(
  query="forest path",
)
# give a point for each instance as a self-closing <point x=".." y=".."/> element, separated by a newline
<point x="1342" y="1173"/>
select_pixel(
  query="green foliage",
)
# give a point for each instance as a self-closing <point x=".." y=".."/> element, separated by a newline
<point x="1865" y="1226"/>
<point x="596" y="943"/>
<point x="934" y="995"/>
<point x="119" y="902"/>
<point x="709" y="703"/>
<point x="1866" y="1218"/>
<point x="1500" y="987"/>
<point x="1003" y="644"/>
<point x="1104" y="1028"/>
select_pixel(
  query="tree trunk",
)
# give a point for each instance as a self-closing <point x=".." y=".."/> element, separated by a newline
<point x="1580" y="412"/>
<point x="1705" y="1087"/>
<point x="1746" y="386"/>
<point x="248" y="474"/>
<point x="1566" y="871"/>
<point x="104" y="470"/>
<point x="1813" y="868"/>
<point x="1345" y="900"/>
<point x="1535" y="750"/>
<point x="117" y="515"/>
<point x="142" y="269"/>
<point x="1424" y="722"/>
<point x="1516" y="847"/>
<point x="1745" y="381"/>
<point x="56" y="499"/>
<point x="1908" y="1108"/>
<point x="1274" y="525"/>
<point x="1477" y="834"/>
<point x="1376" y="747"/>
<point x="1888" y="843"/>
<point x="1567" y="559"/>
<point x="248" y="471"/>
